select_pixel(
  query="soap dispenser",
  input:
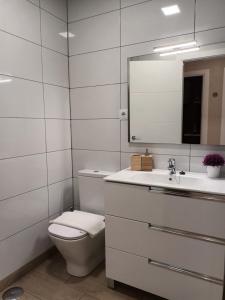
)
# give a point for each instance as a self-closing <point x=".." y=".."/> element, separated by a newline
<point x="146" y="161"/>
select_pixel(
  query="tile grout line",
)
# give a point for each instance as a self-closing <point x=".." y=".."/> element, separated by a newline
<point x="35" y="189"/>
<point x="31" y="42"/>
<point x="22" y="230"/>
<point x="149" y="41"/>
<point x="106" y="12"/>
<point x="33" y="80"/>
<point x="71" y="128"/>
<point x="44" y="106"/>
<point x="49" y="12"/>
<point x="34" y="154"/>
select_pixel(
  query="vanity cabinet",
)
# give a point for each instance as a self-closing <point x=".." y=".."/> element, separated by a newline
<point x="165" y="242"/>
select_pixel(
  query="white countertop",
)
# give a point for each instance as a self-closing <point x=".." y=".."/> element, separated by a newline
<point x="195" y="182"/>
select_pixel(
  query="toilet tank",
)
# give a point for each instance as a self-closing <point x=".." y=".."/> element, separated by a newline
<point x="90" y="183"/>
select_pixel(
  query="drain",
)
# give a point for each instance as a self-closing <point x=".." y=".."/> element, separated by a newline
<point x="13" y="293"/>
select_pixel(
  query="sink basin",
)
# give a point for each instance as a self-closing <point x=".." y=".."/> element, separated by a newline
<point x="162" y="177"/>
<point x="198" y="182"/>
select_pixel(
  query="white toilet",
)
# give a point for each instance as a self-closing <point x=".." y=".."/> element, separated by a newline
<point x="82" y="252"/>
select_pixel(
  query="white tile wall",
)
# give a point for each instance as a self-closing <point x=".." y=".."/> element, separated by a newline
<point x="57" y="102"/>
<point x="21" y="248"/>
<point x="55" y="68"/>
<point x="56" y="7"/>
<point x="146" y="21"/>
<point x="34" y="119"/>
<point x="209" y="14"/>
<point x="87" y="8"/>
<point x="23" y="14"/>
<point x="60" y="196"/>
<point x="21" y="98"/>
<point x="101" y="134"/>
<point x="19" y="58"/>
<point x="95" y="33"/>
<point x="125" y="3"/>
<point x="17" y="218"/>
<point x="51" y="29"/>
<point x="95" y="102"/>
<point x="20" y="137"/>
<point x="59" y="166"/>
<point x="143" y="27"/>
<point x="96" y="68"/>
<point x="23" y="174"/>
<point x="58" y="134"/>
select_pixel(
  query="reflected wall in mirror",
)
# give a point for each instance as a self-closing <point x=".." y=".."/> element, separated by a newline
<point x="181" y="100"/>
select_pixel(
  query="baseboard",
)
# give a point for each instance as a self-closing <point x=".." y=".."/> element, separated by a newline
<point x="25" y="269"/>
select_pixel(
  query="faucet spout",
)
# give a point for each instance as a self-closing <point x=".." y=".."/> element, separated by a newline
<point x="172" y="166"/>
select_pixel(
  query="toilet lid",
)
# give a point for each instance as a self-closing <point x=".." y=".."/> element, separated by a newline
<point x="67" y="233"/>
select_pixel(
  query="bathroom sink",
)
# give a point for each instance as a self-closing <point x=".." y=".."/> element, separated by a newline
<point x="198" y="182"/>
<point x="162" y="177"/>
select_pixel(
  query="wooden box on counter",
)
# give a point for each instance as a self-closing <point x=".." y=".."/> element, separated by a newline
<point x="141" y="162"/>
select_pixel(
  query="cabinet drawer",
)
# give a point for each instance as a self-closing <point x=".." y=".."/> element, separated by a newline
<point x="138" y="272"/>
<point x="140" y="239"/>
<point x="190" y="214"/>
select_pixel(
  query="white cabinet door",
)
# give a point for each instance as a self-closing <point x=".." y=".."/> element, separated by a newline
<point x="187" y="253"/>
<point x="184" y="213"/>
<point x="138" y="272"/>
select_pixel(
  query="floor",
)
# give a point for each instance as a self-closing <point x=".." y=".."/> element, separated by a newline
<point x="50" y="281"/>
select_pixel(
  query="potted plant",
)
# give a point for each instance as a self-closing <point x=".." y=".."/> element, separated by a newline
<point x="213" y="162"/>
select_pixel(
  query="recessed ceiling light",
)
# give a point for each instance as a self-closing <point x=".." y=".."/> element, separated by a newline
<point x="67" y="34"/>
<point x="180" y="51"/>
<point x="177" y="46"/>
<point x="5" y="80"/>
<point x="171" y="10"/>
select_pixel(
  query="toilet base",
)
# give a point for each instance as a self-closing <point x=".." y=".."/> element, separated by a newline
<point x="83" y="270"/>
<point x="82" y="255"/>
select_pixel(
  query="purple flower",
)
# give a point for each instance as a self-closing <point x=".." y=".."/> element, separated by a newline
<point x="213" y="160"/>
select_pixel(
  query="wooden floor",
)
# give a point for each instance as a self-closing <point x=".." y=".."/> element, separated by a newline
<point x="49" y="281"/>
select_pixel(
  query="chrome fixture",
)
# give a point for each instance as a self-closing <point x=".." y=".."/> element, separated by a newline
<point x="172" y="166"/>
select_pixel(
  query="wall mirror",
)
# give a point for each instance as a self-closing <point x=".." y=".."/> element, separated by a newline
<point x="180" y="99"/>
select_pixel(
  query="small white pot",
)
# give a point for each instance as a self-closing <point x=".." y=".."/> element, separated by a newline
<point x="213" y="172"/>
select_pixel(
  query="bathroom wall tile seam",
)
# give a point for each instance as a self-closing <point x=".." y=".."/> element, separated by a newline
<point x="35" y="153"/>
<point x="44" y="108"/>
<point x="70" y="104"/>
<point x="146" y="41"/>
<point x="94" y="16"/>
<point x="46" y="11"/>
<point x="35" y="81"/>
<point x="19" y="231"/>
<point x="103" y="13"/>
<point x="35" y="189"/>
<point x="32" y="42"/>
<point x="137" y="43"/>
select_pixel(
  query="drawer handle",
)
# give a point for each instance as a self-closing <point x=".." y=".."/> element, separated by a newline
<point x="187" y="194"/>
<point x="185" y="272"/>
<point x="188" y="234"/>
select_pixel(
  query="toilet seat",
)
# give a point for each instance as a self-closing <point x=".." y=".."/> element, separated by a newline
<point x="65" y="232"/>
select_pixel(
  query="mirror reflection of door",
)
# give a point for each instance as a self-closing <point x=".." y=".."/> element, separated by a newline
<point x="204" y="107"/>
<point x="195" y="107"/>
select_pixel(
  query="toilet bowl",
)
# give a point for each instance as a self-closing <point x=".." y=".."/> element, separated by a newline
<point x="82" y="252"/>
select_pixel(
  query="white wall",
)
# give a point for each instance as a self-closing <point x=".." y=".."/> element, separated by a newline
<point x="35" y="155"/>
<point x="107" y="32"/>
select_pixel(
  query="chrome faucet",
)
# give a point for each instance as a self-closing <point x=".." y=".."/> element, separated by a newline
<point x="172" y="166"/>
